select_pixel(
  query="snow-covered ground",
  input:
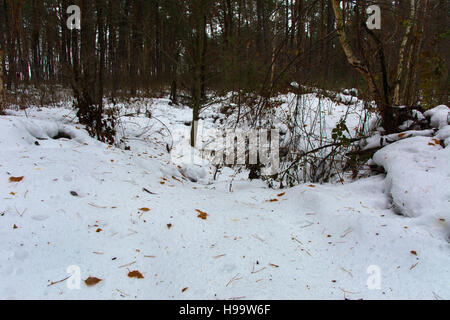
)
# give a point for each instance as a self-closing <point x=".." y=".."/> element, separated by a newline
<point x="86" y="206"/>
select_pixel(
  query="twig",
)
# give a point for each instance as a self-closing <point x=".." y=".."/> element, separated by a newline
<point x="148" y="191"/>
<point x="127" y="265"/>
<point x="56" y="282"/>
<point x="235" y="278"/>
<point x="253" y="269"/>
<point x="122" y="293"/>
<point x="436" y="296"/>
<point x="343" y="269"/>
<point x="257" y="237"/>
<point x="96" y="206"/>
<point x="413" y="266"/>
<point x="308" y="225"/>
<point x="350" y="230"/>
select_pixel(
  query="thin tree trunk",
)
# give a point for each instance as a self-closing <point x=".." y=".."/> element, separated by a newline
<point x="369" y="78"/>
<point x="102" y="45"/>
<point x="198" y="64"/>
<point x="272" y="71"/>
<point x="411" y="64"/>
<point x="402" y="54"/>
<point x="36" y="75"/>
<point x="1" y="79"/>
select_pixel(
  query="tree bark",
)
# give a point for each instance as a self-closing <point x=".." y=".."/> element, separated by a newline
<point x="1" y="77"/>
<point x="198" y="67"/>
<point x="401" y="57"/>
<point x="363" y="69"/>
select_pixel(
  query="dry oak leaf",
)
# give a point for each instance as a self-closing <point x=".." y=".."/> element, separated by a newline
<point x="135" y="274"/>
<point x="281" y="194"/>
<point x="273" y="200"/>
<point x="144" y="209"/>
<point x="184" y="289"/>
<point x="413" y="252"/>
<point x="15" y="179"/>
<point x="437" y="141"/>
<point x="202" y="215"/>
<point x="312" y="186"/>
<point x="92" y="281"/>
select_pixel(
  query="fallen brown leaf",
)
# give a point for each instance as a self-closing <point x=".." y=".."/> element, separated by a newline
<point x="135" y="274"/>
<point x="144" y="209"/>
<point x="15" y="179"/>
<point x="281" y="194"/>
<point x="202" y="215"/>
<point x="92" y="281"/>
<point x="184" y="289"/>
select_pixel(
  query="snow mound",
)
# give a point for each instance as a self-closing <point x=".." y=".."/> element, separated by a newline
<point x="440" y="116"/>
<point x="444" y="135"/>
<point x="418" y="176"/>
<point x="48" y="133"/>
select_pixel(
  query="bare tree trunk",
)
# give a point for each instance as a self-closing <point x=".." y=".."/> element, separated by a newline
<point x="411" y="64"/>
<point x="1" y="78"/>
<point x="136" y="45"/>
<point x="198" y="63"/>
<point x="102" y="44"/>
<point x="272" y="71"/>
<point x="36" y="75"/>
<point x="401" y="57"/>
<point x="64" y="52"/>
<point x="382" y="101"/>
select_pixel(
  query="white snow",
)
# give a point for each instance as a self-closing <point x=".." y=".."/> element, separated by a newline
<point x="418" y="171"/>
<point x="80" y="204"/>
<point x="444" y="135"/>
<point x="440" y="116"/>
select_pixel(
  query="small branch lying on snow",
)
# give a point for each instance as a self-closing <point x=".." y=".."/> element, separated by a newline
<point x="235" y="278"/>
<point x="56" y="282"/>
<point x="148" y="191"/>
<point x="343" y="269"/>
<point x="96" y="206"/>
<point x="127" y="265"/>
<point x="253" y="269"/>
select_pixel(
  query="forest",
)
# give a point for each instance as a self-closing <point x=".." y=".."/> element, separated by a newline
<point x="127" y="47"/>
<point x="224" y="149"/>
